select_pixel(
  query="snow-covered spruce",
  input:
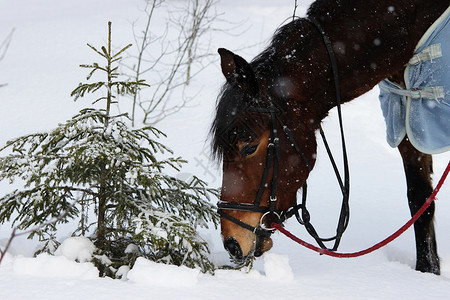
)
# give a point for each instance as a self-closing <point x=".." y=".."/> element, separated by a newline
<point x="96" y="169"/>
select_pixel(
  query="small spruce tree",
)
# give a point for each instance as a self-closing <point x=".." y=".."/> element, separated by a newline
<point x="97" y="170"/>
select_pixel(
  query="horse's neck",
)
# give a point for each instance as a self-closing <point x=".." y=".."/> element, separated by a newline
<point x="372" y="42"/>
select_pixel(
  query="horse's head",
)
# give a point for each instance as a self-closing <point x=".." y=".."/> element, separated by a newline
<point x="260" y="161"/>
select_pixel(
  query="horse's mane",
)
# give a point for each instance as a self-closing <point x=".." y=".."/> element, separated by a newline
<point x="332" y="9"/>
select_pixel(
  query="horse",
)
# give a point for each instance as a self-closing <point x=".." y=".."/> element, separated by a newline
<point x="269" y="110"/>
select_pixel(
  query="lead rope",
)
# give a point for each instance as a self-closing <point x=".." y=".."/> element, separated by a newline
<point x="378" y="245"/>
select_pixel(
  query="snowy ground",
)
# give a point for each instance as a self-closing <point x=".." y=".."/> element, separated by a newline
<point x="41" y="68"/>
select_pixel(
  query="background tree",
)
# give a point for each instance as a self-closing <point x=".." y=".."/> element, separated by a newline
<point x="168" y="60"/>
<point x="111" y="178"/>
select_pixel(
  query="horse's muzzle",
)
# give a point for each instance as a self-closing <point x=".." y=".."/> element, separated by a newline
<point x="233" y="248"/>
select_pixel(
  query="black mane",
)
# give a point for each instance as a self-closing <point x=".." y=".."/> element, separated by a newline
<point x="333" y="9"/>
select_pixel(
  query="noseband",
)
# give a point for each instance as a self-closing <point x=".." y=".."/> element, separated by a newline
<point x="272" y="160"/>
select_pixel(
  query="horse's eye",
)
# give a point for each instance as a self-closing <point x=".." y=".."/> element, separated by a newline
<point x="248" y="150"/>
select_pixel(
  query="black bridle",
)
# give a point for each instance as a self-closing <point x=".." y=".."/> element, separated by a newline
<point x="272" y="160"/>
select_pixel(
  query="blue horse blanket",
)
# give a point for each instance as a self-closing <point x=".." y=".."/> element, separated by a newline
<point x="422" y="110"/>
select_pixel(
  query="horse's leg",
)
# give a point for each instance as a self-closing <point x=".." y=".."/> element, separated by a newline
<point x="418" y="168"/>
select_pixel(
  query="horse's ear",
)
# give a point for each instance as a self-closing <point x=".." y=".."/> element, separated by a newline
<point x="238" y="70"/>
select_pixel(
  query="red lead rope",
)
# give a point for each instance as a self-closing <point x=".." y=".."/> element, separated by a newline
<point x="380" y="244"/>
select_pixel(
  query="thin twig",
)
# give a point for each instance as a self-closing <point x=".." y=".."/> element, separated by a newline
<point x="5" y="44"/>
<point x="295" y="10"/>
<point x="3" y="48"/>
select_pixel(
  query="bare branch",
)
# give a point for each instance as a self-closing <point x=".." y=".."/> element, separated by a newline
<point x="4" y="48"/>
<point x="5" y="44"/>
<point x="295" y="10"/>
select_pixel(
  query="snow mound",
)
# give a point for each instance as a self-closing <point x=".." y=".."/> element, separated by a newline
<point x="150" y="273"/>
<point x="45" y="265"/>
<point x="277" y="268"/>
<point x="122" y="272"/>
<point x="78" y="248"/>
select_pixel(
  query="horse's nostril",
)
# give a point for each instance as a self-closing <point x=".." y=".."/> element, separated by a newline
<point x="232" y="246"/>
<point x="258" y="252"/>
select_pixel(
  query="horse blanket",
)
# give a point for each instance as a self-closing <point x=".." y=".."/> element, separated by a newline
<point x="422" y="110"/>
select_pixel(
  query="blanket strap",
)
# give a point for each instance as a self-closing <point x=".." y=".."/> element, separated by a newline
<point x="429" y="53"/>
<point x="432" y="92"/>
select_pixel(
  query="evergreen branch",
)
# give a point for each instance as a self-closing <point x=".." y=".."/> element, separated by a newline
<point x="115" y="56"/>
<point x="77" y="189"/>
<point x="93" y="48"/>
<point x="94" y="66"/>
<point x="82" y="89"/>
<point x="106" y="54"/>
<point x="99" y="99"/>
<point x="34" y="229"/>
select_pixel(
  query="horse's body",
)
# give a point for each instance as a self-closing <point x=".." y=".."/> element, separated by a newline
<point x="372" y="40"/>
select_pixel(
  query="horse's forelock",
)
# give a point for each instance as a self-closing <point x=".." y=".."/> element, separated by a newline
<point x="225" y="118"/>
<point x="232" y="117"/>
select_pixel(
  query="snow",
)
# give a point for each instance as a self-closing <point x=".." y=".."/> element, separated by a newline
<point x="277" y="268"/>
<point x="76" y="248"/>
<point x="41" y="68"/>
<point x="46" y="265"/>
<point x="144" y="271"/>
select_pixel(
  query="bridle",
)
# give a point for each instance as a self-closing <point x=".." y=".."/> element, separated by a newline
<point x="272" y="161"/>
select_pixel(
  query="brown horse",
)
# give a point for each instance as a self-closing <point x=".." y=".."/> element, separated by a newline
<point x="282" y="96"/>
